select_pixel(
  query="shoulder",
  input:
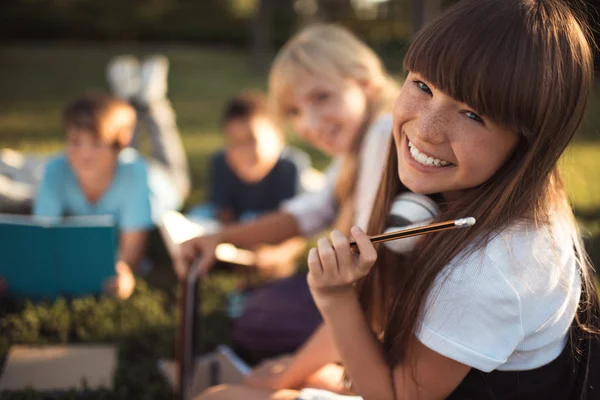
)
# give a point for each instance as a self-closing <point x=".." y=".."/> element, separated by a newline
<point x="525" y="253"/>
<point x="58" y="162"/>
<point x="381" y="126"/>
<point x="218" y="161"/>
<point x="524" y="265"/>
<point x="218" y="157"/>
<point x="56" y="167"/>
<point x="520" y="285"/>
<point x="377" y="137"/>
<point x="297" y="157"/>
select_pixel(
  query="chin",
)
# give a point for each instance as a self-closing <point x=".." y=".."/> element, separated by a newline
<point x="414" y="185"/>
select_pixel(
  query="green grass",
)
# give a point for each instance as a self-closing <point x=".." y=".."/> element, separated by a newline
<point x="35" y="83"/>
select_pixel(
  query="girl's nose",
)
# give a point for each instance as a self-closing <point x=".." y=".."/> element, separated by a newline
<point x="310" y="124"/>
<point x="431" y="127"/>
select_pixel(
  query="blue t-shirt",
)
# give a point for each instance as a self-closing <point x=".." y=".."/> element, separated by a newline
<point x="228" y="191"/>
<point x="127" y="199"/>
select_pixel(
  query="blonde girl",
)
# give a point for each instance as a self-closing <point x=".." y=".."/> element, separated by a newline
<point x="334" y="91"/>
<point x="336" y="94"/>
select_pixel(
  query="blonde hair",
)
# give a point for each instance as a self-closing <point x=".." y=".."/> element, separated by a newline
<point x="108" y="118"/>
<point x="334" y="53"/>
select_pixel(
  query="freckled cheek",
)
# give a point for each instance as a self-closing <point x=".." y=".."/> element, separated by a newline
<point x="404" y="110"/>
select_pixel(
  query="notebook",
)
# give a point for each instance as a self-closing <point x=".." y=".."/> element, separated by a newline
<point x="175" y="228"/>
<point x="49" y="257"/>
<point x="59" y="368"/>
<point x="222" y="366"/>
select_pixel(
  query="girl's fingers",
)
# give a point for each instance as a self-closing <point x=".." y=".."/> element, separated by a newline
<point x="368" y="254"/>
<point x="314" y="262"/>
<point x="327" y="257"/>
<point x="342" y="249"/>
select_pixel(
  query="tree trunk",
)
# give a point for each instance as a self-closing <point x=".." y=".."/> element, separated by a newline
<point x="262" y="47"/>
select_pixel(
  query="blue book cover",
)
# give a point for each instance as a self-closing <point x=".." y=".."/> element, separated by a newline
<point x="50" y="257"/>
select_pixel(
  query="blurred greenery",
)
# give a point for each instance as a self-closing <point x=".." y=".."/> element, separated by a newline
<point x="37" y="80"/>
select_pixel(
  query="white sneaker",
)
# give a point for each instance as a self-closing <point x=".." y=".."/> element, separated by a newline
<point x="153" y="75"/>
<point x="123" y="76"/>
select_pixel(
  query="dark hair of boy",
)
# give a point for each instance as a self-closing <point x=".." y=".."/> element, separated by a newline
<point x="104" y="116"/>
<point x="245" y="106"/>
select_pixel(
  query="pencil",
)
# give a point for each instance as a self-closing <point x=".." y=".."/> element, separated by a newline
<point x="421" y="230"/>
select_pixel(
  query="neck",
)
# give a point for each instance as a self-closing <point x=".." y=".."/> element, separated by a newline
<point x="452" y="196"/>
<point x="93" y="189"/>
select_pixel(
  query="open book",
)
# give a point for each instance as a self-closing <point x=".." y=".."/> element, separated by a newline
<point x="175" y="229"/>
<point x="50" y="257"/>
<point x="222" y="366"/>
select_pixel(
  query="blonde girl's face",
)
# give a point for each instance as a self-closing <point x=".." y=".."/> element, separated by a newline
<point x="443" y="145"/>
<point x="328" y="115"/>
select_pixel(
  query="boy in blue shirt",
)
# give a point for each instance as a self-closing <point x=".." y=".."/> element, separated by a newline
<point x="96" y="175"/>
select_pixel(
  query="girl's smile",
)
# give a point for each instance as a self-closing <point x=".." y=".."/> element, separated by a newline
<point x="424" y="161"/>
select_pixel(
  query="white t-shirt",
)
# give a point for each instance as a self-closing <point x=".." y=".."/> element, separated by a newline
<point x="508" y="305"/>
<point x="316" y="210"/>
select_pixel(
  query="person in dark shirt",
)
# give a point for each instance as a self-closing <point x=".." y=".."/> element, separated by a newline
<point x="255" y="172"/>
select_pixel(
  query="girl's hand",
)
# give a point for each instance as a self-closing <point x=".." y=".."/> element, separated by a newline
<point x="334" y="267"/>
<point x="270" y="374"/>
<point x="202" y="247"/>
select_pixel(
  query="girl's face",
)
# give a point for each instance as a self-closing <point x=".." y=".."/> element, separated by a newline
<point x="328" y="115"/>
<point x="443" y="145"/>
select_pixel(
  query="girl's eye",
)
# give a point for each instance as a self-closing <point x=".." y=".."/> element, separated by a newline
<point x="291" y="112"/>
<point x="321" y="97"/>
<point x="474" y="117"/>
<point x="423" y="87"/>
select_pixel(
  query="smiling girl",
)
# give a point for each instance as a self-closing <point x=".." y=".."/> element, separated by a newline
<point x="495" y="92"/>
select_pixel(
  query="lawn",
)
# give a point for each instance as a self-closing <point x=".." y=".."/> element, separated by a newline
<point x="36" y="81"/>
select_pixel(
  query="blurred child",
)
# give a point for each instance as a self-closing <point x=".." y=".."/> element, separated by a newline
<point x="144" y="86"/>
<point x="96" y="175"/>
<point x="255" y="172"/>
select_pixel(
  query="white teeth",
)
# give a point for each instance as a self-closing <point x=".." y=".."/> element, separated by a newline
<point x="424" y="159"/>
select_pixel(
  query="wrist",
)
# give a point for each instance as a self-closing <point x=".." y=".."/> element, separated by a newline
<point x="330" y="299"/>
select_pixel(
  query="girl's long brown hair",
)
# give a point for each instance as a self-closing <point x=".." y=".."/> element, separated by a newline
<point x="527" y="65"/>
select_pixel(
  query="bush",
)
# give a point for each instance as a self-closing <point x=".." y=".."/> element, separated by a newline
<point x="143" y="329"/>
